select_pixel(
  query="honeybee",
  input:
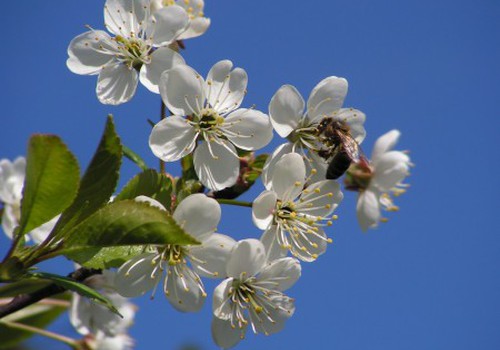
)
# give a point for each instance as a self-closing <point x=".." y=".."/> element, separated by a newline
<point x="341" y="148"/>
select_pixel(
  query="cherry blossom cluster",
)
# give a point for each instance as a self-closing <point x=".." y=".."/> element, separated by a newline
<point x="206" y="122"/>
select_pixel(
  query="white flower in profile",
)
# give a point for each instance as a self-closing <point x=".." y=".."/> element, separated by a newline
<point x="292" y="216"/>
<point x="292" y="119"/>
<point x="12" y="176"/>
<point x="379" y="179"/>
<point x="89" y="317"/>
<point x="139" y="49"/>
<point x="207" y="110"/>
<point x="198" y="23"/>
<point x="252" y="294"/>
<point x="199" y="216"/>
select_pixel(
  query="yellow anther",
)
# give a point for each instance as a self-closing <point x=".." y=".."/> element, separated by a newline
<point x="315" y="245"/>
<point x="314" y="256"/>
<point x="298" y="183"/>
<point x="328" y="206"/>
<point x="384" y="220"/>
<point x="330" y="194"/>
<point x="329" y="240"/>
<point x="329" y="223"/>
<point x="335" y="217"/>
<point x="317" y="190"/>
<point x="304" y="249"/>
<point x="313" y="171"/>
<point x="293" y="215"/>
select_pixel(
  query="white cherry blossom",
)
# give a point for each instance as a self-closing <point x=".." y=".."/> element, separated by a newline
<point x="207" y="111"/>
<point x="138" y="51"/>
<point x="12" y="176"/>
<point x="292" y="216"/>
<point x="198" y="23"/>
<point x="378" y="179"/>
<point x="298" y="122"/>
<point x="199" y="216"/>
<point x="252" y="294"/>
<point x="101" y="341"/>
<point x="89" y="317"/>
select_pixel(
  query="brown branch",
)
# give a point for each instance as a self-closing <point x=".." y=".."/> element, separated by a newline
<point x="23" y="300"/>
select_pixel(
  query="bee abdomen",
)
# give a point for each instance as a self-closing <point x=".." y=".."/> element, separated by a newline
<point x="338" y="165"/>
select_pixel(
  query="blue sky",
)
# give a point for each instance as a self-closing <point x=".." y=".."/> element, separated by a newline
<point x="429" y="278"/>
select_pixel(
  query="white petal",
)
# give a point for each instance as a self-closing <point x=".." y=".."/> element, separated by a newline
<point x="123" y="17"/>
<point x="368" y="209"/>
<point x="321" y="198"/>
<point x="281" y="273"/>
<point x="12" y="180"/>
<point x="116" y="84"/>
<point x="198" y="214"/>
<point x="289" y="176"/>
<point x="315" y="244"/>
<point x="224" y="335"/>
<point x="89" y="52"/>
<point x="225" y="89"/>
<point x="9" y="220"/>
<point x="197" y="27"/>
<point x="162" y="60"/>
<point x="248" y="129"/>
<point x="319" y="164"/>
<point x="136" y="277"/>
<point x="263" y="209"/>
<point x="212" y="255"/>
<point x="181" y="89"/>
<point x="152" y="202"/>
<point x="326" y="98"/>
<point x="172" y="138"/>
<point x="167" y="24"/>
<point x="274" y="250"/>
<point x="40" y="233"/>
<point x="221" y="305"/>
<point x="270" y="164"/>
<point x="390" y="169"/>
<point x="286" y="110"/>
<point x="284" y="310"/>
<point x="184" y="293"/>
<point x="355" y="119"/>
<point x="247" y="259"/>
<point x="385" y="143"/>
<point x="220" y="172"/>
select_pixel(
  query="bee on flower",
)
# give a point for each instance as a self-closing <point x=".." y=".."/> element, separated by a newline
<point x="300" y="123"/>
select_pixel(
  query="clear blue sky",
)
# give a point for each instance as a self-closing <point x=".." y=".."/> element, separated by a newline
<point x="428" y="279"/>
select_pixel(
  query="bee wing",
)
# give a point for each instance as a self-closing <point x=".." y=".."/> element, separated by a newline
<point x="351" y="147"/>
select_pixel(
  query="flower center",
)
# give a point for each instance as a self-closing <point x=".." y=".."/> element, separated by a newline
<point x="209" y="120"/>
<point x="358" y="176"/>
<point x="174" y="254"/>
<point x="255" y="297"/>
<point x="134" y="52"/>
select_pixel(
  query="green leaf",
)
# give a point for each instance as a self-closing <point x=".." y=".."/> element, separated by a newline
<point x="124" y="223"/>
<point x="106" y="258"/>
<point x="37" y="315"/>
<point x="51" y="182"/>
<point x="134" y="157"/>
<point x="77" y="287"/>
<point x="148" y="183"/>
<point x="98" y="183"/>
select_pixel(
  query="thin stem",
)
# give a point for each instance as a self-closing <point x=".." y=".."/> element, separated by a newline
<point x="163" y="115"/>
<point x="234" y="202"/>
<point x="16" y="325"/>
<point x="48" y="302"/>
